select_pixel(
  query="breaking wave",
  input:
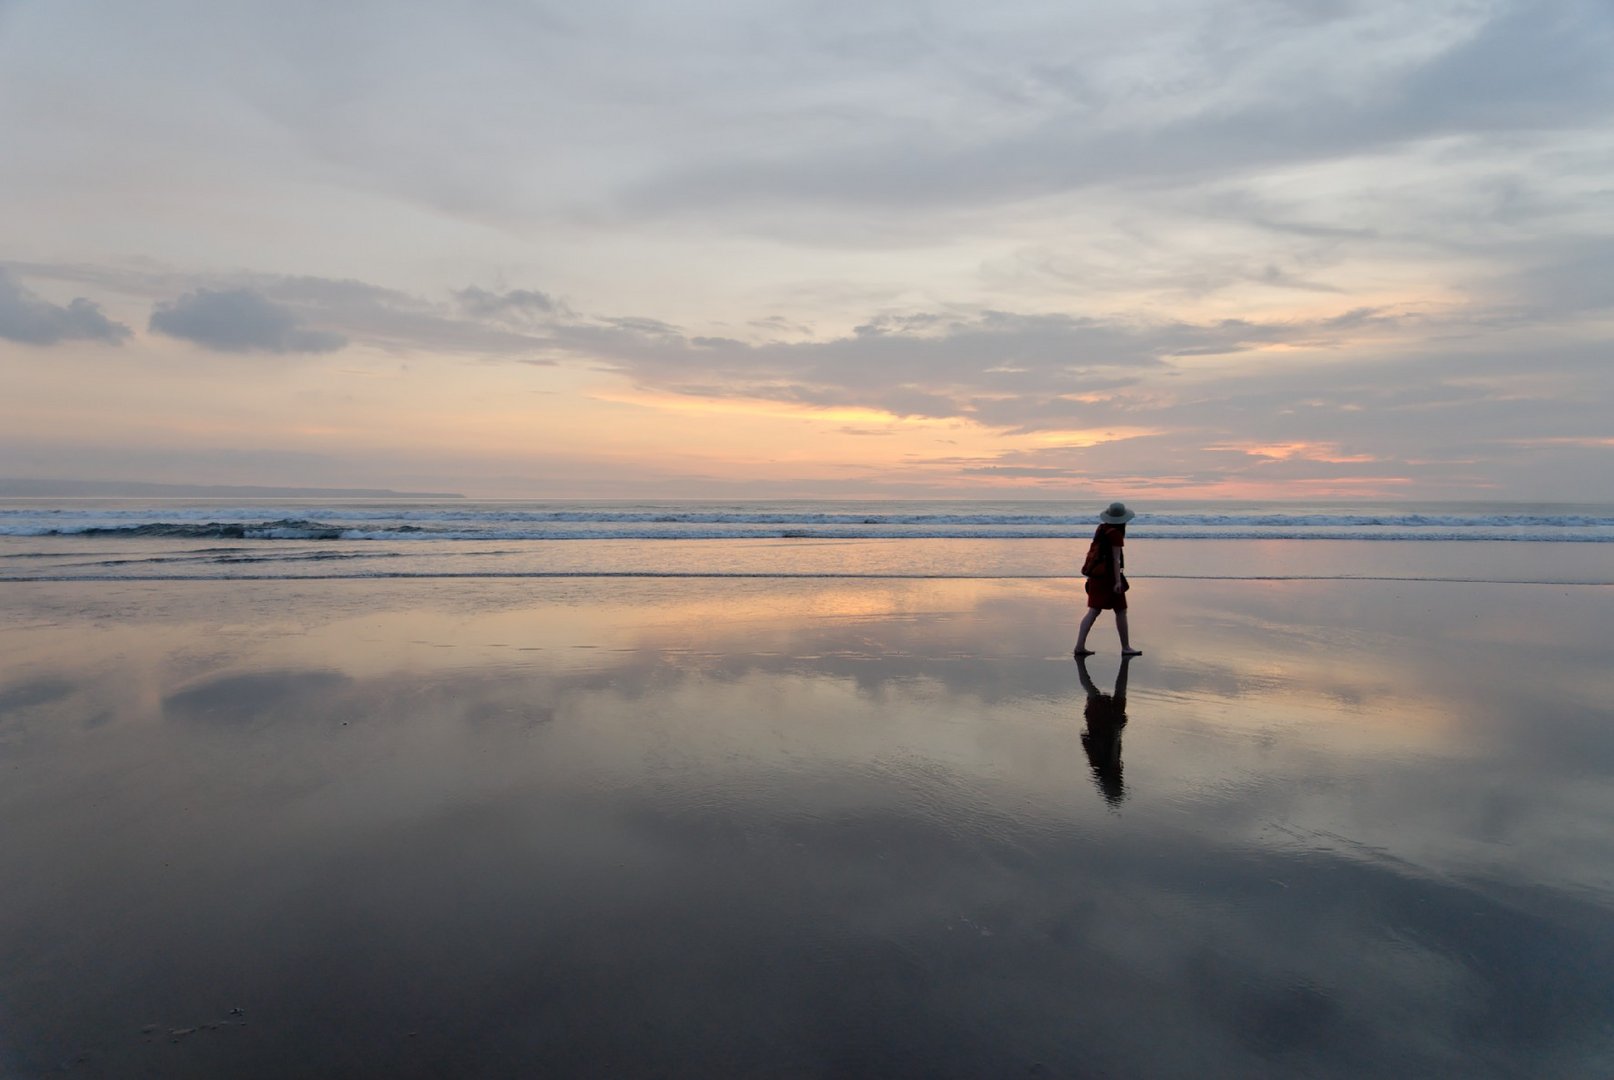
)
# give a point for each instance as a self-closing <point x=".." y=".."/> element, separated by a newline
<point x="515" y="523"/>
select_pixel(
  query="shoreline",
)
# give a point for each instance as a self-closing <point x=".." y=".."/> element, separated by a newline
<point x="1475" y="561"/>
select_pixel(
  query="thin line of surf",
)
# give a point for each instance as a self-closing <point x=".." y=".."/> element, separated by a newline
<point x="766" y="575"/>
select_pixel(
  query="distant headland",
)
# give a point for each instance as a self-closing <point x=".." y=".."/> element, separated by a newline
<point x="114" y="489"/>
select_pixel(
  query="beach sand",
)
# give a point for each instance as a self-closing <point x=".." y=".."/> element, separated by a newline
<point x="639" y="827"/>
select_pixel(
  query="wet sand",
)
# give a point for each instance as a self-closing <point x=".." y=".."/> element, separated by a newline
<point x="634" y="827"/>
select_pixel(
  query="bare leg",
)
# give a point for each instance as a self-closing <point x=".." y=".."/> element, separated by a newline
<point x="1081" y="635"/>
<point x="1126" y="645"/>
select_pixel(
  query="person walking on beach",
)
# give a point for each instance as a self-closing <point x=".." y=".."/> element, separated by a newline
<point x="1106" y="584"/>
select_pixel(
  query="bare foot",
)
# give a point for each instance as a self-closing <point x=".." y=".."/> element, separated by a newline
<point x="1082" y="652"/>
<point x="1131" y="652"/>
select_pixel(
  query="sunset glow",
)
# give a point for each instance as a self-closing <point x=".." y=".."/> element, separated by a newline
<point x="794" y="252"/>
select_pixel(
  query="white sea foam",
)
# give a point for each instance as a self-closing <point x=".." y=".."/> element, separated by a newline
<point x="586" y="521"/>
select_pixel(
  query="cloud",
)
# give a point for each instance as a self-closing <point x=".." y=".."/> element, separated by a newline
<point x="1021" y="372"/>
<point x="1350" y="397"/>
<point x="481" y="303"/>
<point x="1567" y="278"/>
<point x="274" y="312"/>
<point x="32" y="320"/>
<point x="1330" y="379"/>
<point x="1014" y="371"/>
<point x="239" y="320"/>
<point x="1245" y="93"/>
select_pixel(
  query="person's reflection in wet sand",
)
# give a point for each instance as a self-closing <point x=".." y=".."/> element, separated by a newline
<point x="1106" y="716"/>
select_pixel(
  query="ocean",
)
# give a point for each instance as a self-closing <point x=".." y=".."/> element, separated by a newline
<point x="134" y="539"/>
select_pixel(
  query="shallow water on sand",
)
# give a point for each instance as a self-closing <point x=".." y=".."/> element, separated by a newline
<point x="660" y="827"/>
<point x="125" y="559"/>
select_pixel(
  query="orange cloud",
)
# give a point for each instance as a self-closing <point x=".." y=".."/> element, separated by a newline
<point x="1562" y="440"/>
<point x="1316" y="487"/>
<point x="1092" y="436"/>
<point x="762" y="407"/>
<point x="1328" y="453"/>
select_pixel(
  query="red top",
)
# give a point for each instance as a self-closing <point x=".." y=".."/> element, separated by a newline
<point x="1112" y="536"/>
<point x="1101" y="583"/>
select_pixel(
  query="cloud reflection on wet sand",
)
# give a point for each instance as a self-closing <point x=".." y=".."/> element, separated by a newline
<point x="802" y="828"/>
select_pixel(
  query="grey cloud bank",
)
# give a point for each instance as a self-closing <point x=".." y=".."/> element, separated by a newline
<point x="1373" y="398"/>
<point x="31" y="320"/>
<point x="239" y="320"/>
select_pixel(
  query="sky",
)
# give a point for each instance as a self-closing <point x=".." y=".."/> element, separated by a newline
<point x="1245" y="249"/>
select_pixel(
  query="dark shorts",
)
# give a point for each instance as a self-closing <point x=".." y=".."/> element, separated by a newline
<point x="1101" y="594"/>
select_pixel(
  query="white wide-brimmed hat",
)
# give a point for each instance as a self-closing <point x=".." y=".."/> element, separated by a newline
<point x="1117" y="514"/>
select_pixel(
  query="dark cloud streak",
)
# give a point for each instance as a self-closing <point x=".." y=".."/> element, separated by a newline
<point x="482" y="303"/>
<point x="239" y="320"/>
<point x="31" y="320"/>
